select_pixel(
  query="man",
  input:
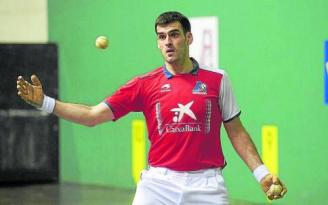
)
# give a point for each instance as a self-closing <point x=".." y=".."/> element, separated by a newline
<point x="184" y="106"/>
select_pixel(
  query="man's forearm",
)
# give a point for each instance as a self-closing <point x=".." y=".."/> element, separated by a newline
<point x="82" y="114"/>
<point x="243" y="143"/>
<point x="72" y="112"/>
<point x="246" y="149"/>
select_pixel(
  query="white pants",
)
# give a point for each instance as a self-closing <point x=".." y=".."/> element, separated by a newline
<point x="161" y="186"/>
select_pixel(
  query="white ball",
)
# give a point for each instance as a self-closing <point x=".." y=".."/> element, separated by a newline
<point x="275" y="189"/>
<point x="101" y="42"/>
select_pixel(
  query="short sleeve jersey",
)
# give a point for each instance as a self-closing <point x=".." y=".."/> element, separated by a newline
<point x="183" y="113"/>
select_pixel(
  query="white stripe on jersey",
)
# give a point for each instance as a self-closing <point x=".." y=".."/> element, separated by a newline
<point x="227" y="101"/>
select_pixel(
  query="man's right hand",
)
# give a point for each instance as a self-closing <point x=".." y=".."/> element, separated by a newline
<point x="30" y="93"/>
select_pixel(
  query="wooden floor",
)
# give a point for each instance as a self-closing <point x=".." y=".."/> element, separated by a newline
<point x="68" y="194"/>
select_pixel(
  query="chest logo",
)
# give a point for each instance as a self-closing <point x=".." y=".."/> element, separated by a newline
<point x="200" y="88"/>
<point x="166" y="88"/>
<point x="181" y="110"/>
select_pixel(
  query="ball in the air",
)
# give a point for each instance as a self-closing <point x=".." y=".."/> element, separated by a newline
<point x="101" y="42"/>
<point x="275" y="189"/>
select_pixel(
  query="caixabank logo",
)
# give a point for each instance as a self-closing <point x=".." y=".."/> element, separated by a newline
<point x="325" y="75"/>
<point x="187" y="126"/>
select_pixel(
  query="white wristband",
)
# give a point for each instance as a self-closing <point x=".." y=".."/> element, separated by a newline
<point x="260" y="172"/>
<point x="48" y="104"/>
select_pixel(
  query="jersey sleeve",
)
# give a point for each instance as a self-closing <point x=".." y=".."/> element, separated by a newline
<point x="126" y="99"/>
<point x="227" y="101"/>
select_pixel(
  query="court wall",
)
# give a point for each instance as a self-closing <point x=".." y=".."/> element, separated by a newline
<point x="272" y="50"/>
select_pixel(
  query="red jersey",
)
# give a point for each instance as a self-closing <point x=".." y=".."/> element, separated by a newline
<point x="183" y="112"/>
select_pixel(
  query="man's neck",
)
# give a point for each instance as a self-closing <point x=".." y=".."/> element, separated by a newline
<point x="179" y="68"/>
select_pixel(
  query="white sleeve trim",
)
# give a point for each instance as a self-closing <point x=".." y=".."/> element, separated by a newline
<point x="227" y="101"/>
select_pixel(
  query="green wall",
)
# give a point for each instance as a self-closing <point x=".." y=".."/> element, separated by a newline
<point x="273" y="51"/>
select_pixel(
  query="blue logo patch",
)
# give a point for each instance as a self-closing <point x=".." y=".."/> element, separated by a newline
<point x="325" y="75"/>
<point x="200" y="88"/>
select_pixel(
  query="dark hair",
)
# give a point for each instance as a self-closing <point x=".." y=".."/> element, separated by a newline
<point x="173" y="16"/>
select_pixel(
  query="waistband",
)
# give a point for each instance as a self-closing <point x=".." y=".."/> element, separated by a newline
<point x="203" y="172"/>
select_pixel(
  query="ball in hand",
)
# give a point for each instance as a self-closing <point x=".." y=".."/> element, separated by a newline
<point x="275" y="189"/>
<point x="101" y="42"/>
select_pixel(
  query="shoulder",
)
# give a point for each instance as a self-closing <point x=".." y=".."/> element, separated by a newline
<point x="147" y="78"/>
<point x="157" y="72"/>
<point x="212" y="71"/>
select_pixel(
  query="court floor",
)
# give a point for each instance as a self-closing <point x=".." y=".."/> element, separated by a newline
<point x="69" y="194"/>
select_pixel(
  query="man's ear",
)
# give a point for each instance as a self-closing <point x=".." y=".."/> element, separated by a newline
<point x="189" y="37"/>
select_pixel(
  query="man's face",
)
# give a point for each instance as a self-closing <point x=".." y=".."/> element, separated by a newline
<point x="173" y="43"/>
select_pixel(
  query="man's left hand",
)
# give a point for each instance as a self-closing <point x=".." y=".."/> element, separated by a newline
<point x="270" y="180"/>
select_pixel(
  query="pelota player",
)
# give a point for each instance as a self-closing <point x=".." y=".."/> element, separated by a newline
<point x="184" y="105"/>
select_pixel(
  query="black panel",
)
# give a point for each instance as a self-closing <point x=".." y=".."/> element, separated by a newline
<point x="28" y="137"/>
<point x="25" y="60"/>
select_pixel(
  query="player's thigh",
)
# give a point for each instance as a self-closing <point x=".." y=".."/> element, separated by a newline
<point x="155" y="190"/>
<point x="145" y="195"/>
<point x="214" y="192"/>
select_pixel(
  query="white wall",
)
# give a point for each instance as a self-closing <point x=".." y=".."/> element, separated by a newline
<point x="23" y="21"/>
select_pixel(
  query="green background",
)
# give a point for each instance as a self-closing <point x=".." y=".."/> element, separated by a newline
<point x="272" y="50"/>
